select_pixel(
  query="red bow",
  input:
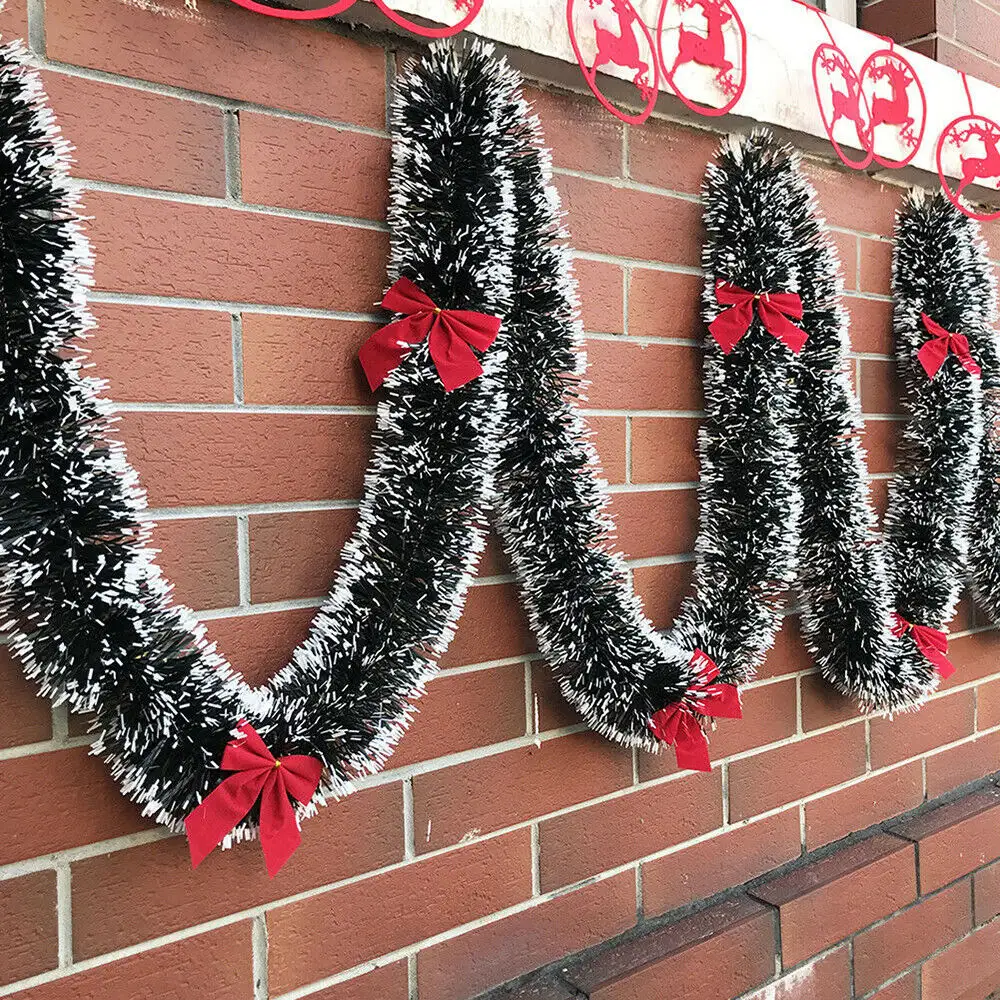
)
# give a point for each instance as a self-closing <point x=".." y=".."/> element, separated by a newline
<point x="258" y="774"/>
<point x="932" y="642"/>
<point x="774" y="308"/>
<point x="935" y="350"/>
<point x="679" y="724"/>
<point x="452" y="333"/>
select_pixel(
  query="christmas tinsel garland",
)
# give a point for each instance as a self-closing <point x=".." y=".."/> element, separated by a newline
<point x="82" y="602"/>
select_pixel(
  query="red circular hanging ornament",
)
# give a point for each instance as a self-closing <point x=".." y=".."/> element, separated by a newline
<point x="982" y="162"/>
<point x="469" y="9"/>
<point x="841" y="100"/>
<point x="295" y="15"/>
<point x="724" y="39"/>
<point x="894" y="112"/>
<point x="617" y="37"/>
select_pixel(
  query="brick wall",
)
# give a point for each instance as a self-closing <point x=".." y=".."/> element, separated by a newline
<point x="234" y="168"/>
<point x="963" y="34"/>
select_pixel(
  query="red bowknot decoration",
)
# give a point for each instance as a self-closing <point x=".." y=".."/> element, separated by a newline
<point x="774" y="309"/>
<point x="932" y="642"/>
<point x="451" y="333"/>
<point x="258" y="774"/>
<point x="679" y="723"/>
<point x="933" y="353"/>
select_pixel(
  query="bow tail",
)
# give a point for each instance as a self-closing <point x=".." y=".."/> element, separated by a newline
<point x="454" y="359"/>
<point x="778" y="324"/>
<point x="691" y="746"/>
<point x="280" y="835"/>
<point x="384" y="349"/>
<point x="729" y="327"/>
<point x="221" y="810"/>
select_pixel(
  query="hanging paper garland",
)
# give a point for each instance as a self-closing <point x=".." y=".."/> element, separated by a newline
<point x="86" y="609"/>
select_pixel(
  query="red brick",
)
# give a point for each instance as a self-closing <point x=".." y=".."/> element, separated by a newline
<point x="974" y="655"/>
<point x="904" y="940"/>
<point x="879" y="439"/>
<point x="961" y="764"/>
<point x="53" y="801"/>
<point x="966" y="970"/>
<point x="823" y="705"/>
<point x="258" y="646"/>
<point x="774" y="777"/>
<point x="655" y="522"/>
<point x="222" y="49"/>
<point x="827" y="900"/>
<point x="337" y="930"/>
<point x="955" y="839"/>
<point x="608" y="219"/>
<point x="549" y="708"/>
<point x="602" y="296"/>
<point x="312" y="167"/>
<point x="465" y="965"/>
<point x="879" y="387"/>
<point x="906" y="988"/>
<point x="130" y="896"/>
<point x="986" y="893"/>
<point x="859" y="806"/>
<point x="489" y="794"/>
<point x="854" y="202"/>
<point x="668" y="156"/>
<point x="769" y="715"/>
<point x="737" y="856"/>
<point x="238" y="458"/>
<point x="665" y="304"/>
<point x="876" y="267"/>
<point x="156" y="142"/>
<point x="789" y="654"/>
<point x="735" y="940"/>
<point x="900" y="19"/>
<point x="646" y="376"/>
<point x="27" y="716"/>
<point x="827" y="978"/>
<point x="163" y="355"/>
<point x="579" y="132"/>
<point x="296" y="555"/>
<point x="199" y="557"/>
<point x="391" y="982"/>
<point x="28" y="926"/>
<point x="149" y="246"/>
<point x="221" y="958"/>
<point x="942" y="720"/>
<point x="609" y="440"/>
<point x="280" y="355"/>
<point x="493" y="626"/>
<point x="846" y="247"/>
<point x="464" y="711"/>
<point x="871" y="325"/>
<point x="665" y="449"/>
<point x="663" y="589"/>
<point x="588" y="841"/>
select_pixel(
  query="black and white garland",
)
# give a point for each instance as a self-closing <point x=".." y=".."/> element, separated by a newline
<point x="82" y="601"/>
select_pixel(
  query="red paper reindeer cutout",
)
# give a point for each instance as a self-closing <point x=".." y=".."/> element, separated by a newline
<point x="974" y="168"/>
<point x="620" y="40"/>
<point x="900" y="113"/>
<point x="712" y="49"/>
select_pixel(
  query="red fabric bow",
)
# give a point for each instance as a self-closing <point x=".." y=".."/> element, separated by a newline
<point x="933" y="353"/>
<point x="679" y="724"/>
<point x="258" y="774"/>
<point x="774" y="309"/>
<point x="452" y="333"/>
<point x="932" y="642"/>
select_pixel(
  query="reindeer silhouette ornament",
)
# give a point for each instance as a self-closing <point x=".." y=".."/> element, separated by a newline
<point x="610" y="33"/>
<point x="898" y="104"/>
<point x="715" y="40"/>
